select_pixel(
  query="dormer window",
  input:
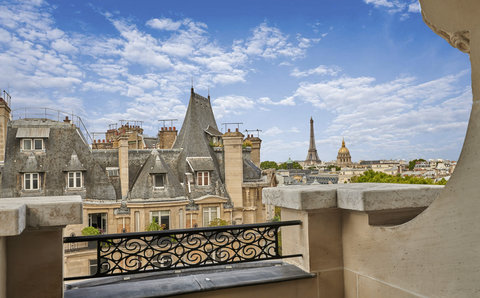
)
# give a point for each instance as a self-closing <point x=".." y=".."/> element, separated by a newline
<point x="203" y="178"/>
<point x="32" y="145"/>
<point x="31" y="181"/>
<point x="159" y="181"/>
<point x="75" y="180"/>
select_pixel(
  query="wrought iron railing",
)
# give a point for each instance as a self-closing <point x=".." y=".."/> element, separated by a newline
<point x="52" y="114"/>
<point x="128" y="253"/>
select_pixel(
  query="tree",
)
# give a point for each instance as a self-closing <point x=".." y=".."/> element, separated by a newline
<point x="337" y="168"/>
<point x="295" y="165"/>
<point x="379" y="177"/>
<point x="412" y="163"/>
<point x="154" y="226"/>
<point x="268" y="165"/>
<point x="218" y="222"/>
<point x="90" y="231"/>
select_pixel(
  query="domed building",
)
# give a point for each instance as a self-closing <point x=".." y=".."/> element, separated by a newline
<point x="343" y="156"/>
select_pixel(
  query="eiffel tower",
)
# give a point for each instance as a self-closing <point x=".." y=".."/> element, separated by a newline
<point x="312" y="155"/>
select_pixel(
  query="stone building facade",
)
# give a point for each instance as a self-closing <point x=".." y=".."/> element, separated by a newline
<point x="125" y="185"/>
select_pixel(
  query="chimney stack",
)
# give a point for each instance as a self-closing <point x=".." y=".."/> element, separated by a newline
<point x="4" y="118"/>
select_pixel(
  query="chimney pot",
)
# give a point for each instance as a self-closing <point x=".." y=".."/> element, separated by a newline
<point x="174" y="128"/>
<point x="236" y="129"/>
<point x="229" y="130"/>
<point x="103" y="141"/>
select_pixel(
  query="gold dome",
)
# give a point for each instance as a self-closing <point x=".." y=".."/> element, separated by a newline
<point x="343" y="149"/>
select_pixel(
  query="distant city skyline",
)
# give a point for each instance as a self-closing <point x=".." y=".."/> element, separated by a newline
<point x="368" y="71"/>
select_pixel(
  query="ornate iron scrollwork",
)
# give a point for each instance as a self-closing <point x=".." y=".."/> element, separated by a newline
<point x="164" y="250"/>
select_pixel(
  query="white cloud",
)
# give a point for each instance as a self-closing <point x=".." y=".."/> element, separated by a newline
<point x="231" y="104"/>
<point x="414" y="7"/>
<point x="404" y="7"/>
<point x="289" y="101"/>
<point x="320" y="70"/>
<point x="164" y="24"/>
<point x="272" y="131"/>
<point x="63" y="46"/>
<point x="270" y="42"/>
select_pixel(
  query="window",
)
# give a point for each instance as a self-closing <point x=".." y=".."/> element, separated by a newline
<point x="31" y="181"/>
<point x="27" y="144"/>
<point x="32" y="144"/>
<point x="159" y="180"/>
<point x="203" y="178"/>
<point x="98" y="221"/>
<point x="161" y="217"/>
<point x="38" y="144"/>
<point x="112" y="171"/>
<point x="93" y="266"/>
<point x="209" y="214"/>
<point x="75" y="179"/>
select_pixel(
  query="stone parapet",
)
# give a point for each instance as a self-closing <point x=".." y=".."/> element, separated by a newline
<point x="359" y="197"/>
<point x="17" y="214"/>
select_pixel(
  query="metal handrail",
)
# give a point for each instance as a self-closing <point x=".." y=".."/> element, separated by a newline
<point x="129" y="253"/>
<point x="52" y="114"/>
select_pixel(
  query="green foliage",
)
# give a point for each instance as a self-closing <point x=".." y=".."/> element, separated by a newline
<point x="442" y="182"/>
<point x="277" y="217"/>
<point x="295" y="165"/>
<point x="268" y="165"/>
<point x="330" y="167"/>
<point x="217" y="222"/>
<point x="90" y="231"/>
<point x="212" y="144"/>
<point x="246" y="144"/>
<point x="411" y="164"/>
<point x="154" y="226"/>
<point x="379" y="177"/>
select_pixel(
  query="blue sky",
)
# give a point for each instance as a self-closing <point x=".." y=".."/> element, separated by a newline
<point x="370" y="71"/>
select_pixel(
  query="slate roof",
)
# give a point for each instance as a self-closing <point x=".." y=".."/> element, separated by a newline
<point x="192" y="136"/>
<point x="213" y="131"/>
<point x="31" y="165"/>
<point x="201" y="163"/>
<point x="74" y="164"/>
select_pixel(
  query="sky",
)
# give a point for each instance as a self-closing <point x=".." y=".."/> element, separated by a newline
<point x="369" y="71"/>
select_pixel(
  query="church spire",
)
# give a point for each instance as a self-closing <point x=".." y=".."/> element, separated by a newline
<point x="312" y="155"/>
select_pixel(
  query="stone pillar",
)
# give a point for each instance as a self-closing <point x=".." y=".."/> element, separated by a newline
<point x="31" y="244"/>
<point x="123" y="164"/>
<point x="232" y="148"/>
<point x="4" y="118"/>
<point x="255" y="154"/>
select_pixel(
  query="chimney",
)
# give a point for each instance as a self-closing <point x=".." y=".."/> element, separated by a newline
<point x="232" y="148"/>
<point x="255" y="153"/>
<point x="166" y="137"/>
<point x="4" y="118"/>
<point x="123" y="164"/>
